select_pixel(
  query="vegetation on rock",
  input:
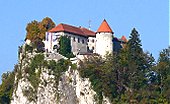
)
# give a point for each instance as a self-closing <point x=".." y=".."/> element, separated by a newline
<point x="6" y="87"/>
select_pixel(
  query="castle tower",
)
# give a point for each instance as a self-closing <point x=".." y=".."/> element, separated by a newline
<point x="104" y="37"/>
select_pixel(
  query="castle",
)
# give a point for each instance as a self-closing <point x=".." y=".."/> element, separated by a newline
<point x="83" y="40"/>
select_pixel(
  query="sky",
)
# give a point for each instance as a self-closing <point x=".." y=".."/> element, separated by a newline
<point x="149" y="17"/>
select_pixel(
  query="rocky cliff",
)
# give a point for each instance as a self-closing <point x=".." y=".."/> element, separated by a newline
<point x="45" y="85"/>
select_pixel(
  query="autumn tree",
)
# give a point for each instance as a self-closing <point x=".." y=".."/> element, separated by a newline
<point x="45" y="25"/>
<point x="37" y="29"/>
<point x="33" y="30"/>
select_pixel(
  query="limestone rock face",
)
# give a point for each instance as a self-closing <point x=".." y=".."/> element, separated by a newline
<point x="47" y="92"/>
<point x="18" y="95"/>
<point x="70" y="88"/>
<point x="75" y="90"/>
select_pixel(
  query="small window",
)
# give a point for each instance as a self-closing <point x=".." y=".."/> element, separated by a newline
<point x="74" y="39"/>
<point x="55" y="47"/>
<point x="88" y="48"/>
<point x="78" y="40"/>
<point x="82" y="41"/>
<point x="87" y="40"/>
<point x="92" y="48"/>
<point x="92" y="40"/>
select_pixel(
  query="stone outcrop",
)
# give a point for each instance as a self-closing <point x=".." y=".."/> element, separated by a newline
<point x="70" y="88"/>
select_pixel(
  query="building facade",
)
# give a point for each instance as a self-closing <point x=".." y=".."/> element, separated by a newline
<point x="84" y="40"/>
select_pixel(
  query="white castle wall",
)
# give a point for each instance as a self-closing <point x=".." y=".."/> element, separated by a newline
<point x="51" y="40"/>
<point x="92" y="43"/>
<point x="78" y="43"/>
<point x="104" y="43"/>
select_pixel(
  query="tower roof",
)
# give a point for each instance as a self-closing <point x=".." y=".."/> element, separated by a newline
<point x="124" y="38"/>
<point x="104" y="27"/>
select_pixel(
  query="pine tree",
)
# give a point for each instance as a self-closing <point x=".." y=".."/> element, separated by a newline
<point x="163" y="70"/>
<point x="133" y="65"/>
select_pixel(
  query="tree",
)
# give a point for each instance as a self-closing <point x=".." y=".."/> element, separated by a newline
<point x="39" y="45"/>
<point x="36" y="32"/>
<point x="37" y="29"/>
<point x="33" y="30"/>
<point x="65" y="47"/>
<point x="5" y="76"/>
<point x="45" y="25"/>
<point x="132" y="68"/>
<point x="163" y="70"/>
<point x="6" y="88"/>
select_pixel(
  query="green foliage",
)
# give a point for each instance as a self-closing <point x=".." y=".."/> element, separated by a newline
<point x="28" y="48"/>
<point x="58" y="68"/>
<point x="34" y="69"/>
<point x="6" y="88"/>
<point x="163" y="71"/>
<point x="100" y="73"/>
<point x="65" y="47"/>
<point x="130" y="76"/>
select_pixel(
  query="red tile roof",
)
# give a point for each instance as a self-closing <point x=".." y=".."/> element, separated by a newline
<point x="72" y="29"/>
<point x="104" y="27"/>
<point x="124" y="38"/>
<point x="88" y="32"/>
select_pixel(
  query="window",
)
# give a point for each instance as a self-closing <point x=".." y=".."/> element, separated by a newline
<point x="92" y="40"/>
<point x="92" y="48"/>
<point x="78" y="40"/>
<point x="87" y="40"/>
<point x="82" y="41"/>
<point x="88" y="48"/>
<point x="74" y="39"/>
